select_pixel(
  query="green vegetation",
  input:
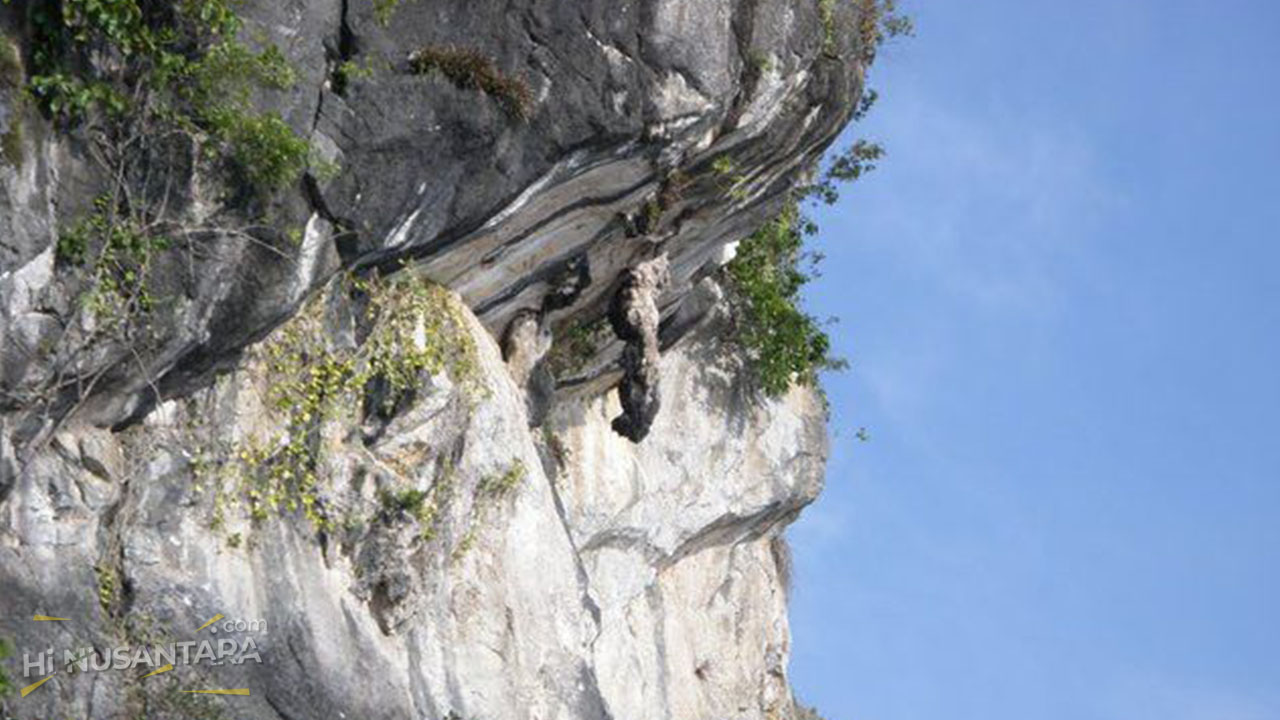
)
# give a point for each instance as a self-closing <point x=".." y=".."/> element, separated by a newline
<point x="11" y="81"/>
<point x="176" y="70"/>
<point x="846" y="166"/>
<point x="422" y="505"/>
<point x="784" y="344"/>
<point x="426" y="507"/>
<point x="156" y="93"/>
<point x="311" y="383"/>
<point x="651" y="215"/>
<point x="467" y="542"/>
<point x="504" y="483"/>
<point x="827" y="16"/>
<point x="877" y="21"/>
<point x="384" y="10"/>
<point x="571" y="352"/>
<point x="760" y="62"/>
<point x="417" y="329"/>
<point x="177" y="67"/>
<point x="123" y="253"/>
<point x="726" y="173"/>
<point x="349" y="71"/>
<point x="489" y="490"/>
<point x="412" y="502"/>
<point x="471" y="70"/>
<point x="6" y="651"/>
<point x="670" y="191"/>
<point x="11" y="142"/>
<point x="107" y="587"/>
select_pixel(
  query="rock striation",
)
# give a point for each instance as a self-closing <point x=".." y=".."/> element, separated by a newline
<point x="323" y="438"/>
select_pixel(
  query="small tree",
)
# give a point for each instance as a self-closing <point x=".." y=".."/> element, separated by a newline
<point x="784" y="344"/>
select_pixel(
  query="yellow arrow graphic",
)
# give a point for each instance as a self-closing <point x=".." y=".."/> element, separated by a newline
<point x="241" y="691"/>
<point x="46" y="618"/>
<point x="32" y="688"/>
<point x="212" y="620"/>
<point x="157" y="671"/>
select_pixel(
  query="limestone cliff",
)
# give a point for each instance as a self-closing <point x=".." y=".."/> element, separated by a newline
<point x="478" y="444"/>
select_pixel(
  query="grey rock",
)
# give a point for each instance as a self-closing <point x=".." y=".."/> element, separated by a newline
<point x="525" y="343"/>
<point x="634" y="581"/>
<point x="482" y="546"/>
<point x="626" y="98"/>
<point x="634" y="316"/>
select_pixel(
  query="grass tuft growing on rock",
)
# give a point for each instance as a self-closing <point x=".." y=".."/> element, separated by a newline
<point x="471" y="70"/>
<point x="504" y="483"/>
<point x="107" y="587"/>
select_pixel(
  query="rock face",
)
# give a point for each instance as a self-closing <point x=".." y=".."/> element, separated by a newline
<point x="555" y="573"/>
<point x="321" y="440"/>
<point x="634" y="316"/>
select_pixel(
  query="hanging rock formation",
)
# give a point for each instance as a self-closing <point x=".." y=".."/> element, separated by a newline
<point x="319" y="438"/>
<point x="634" y="316"/>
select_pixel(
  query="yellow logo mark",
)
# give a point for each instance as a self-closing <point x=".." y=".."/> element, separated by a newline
<point x="212" y="620"/>
<point x="167" y="668"/>
<point x="31" y="688"/>
<point x="157" y="671"/>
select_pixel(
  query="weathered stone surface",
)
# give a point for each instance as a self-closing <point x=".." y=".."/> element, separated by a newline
<point x="371" y="619"/>
<point x="525" y="343"/>
<point x="471" y="566"/>
<point x="637" y="109"/>
<point x="634" y="315"/>
<point x="620" y="581"/>
<point x="674" y="533"/>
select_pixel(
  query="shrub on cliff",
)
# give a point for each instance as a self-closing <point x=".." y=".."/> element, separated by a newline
<point x="784" y="344"/>
<point x="470" y="70"/>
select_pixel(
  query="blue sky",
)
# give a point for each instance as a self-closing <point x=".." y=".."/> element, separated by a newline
<point x="1061" y="297"/>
